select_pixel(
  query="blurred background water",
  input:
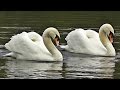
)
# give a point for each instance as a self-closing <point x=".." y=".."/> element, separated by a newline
<point x="74" y="66"/>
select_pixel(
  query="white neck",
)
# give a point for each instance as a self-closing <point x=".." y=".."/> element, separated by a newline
<point x="108" y="45"/>
<point x="52" y="49"/>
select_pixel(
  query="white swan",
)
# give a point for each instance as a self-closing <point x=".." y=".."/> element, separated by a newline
<point x="90" y="42"/>
<point x="31" y="46"/>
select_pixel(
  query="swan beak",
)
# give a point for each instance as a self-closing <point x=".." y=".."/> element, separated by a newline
<point x="111" y="37"/>
<point x="56" y="40"/>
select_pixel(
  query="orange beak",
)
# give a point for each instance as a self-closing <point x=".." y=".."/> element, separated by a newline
<point x="56" y="40"/>
<point x="111" y="37"/>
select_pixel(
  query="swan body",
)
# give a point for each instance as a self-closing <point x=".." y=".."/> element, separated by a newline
<point x="32" y="46"/>
<point x="91" y="42"/>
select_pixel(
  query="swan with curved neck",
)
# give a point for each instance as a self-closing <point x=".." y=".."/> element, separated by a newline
<point x="49" y="35"/>
<point x="91" y="42"/>
<point x="31" y="46"/>
<point x="106" y="33"/>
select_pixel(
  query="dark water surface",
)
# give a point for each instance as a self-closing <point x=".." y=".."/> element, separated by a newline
<point x="74" y="66"/>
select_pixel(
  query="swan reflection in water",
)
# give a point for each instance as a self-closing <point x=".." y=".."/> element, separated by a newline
<point x="24" y="69"/>
<point x="74" y="66"/>
<point x="87" y="66"/>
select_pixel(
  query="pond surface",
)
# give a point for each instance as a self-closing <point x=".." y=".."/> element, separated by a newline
<point x="74" y="66"/>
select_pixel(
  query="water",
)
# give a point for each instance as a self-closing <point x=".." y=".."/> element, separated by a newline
<point x="74" y="66"/>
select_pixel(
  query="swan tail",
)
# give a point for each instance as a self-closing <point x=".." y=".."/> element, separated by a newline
<point x="11" y="54"/>
<point x="64" y="47"/>
<point x="2" y="47"/>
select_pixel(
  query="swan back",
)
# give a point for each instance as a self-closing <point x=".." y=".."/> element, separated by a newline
<point x="35" y="37"/>
<point x="84" y="41"/>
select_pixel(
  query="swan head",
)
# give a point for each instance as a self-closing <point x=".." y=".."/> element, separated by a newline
<point x="108" y="31"/>
<point x="53" y="34"/>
